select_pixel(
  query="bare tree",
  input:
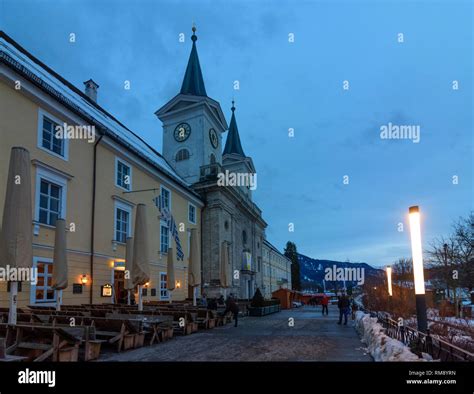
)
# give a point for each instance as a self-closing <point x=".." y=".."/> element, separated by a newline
<point x="464" y="238"/>
<point x="402" y="272"/>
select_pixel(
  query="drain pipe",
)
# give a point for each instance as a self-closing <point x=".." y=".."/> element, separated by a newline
<point x="94" y="176"/>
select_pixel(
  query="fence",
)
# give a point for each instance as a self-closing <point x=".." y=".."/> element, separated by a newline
<point x="419" y="342"/>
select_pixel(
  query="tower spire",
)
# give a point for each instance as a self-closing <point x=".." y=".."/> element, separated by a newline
<point x="233" y="144"/>
<point x="193" y="82"/>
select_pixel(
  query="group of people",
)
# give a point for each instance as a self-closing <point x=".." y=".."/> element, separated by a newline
<point x="345" y="305"/>
<point x="230" y="303"/>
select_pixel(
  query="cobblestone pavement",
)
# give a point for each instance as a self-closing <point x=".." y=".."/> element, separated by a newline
<point x="268" y="338"/>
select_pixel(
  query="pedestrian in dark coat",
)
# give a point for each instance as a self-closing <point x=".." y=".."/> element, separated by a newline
<point x="233" y="307"/>
<point x="344" y="308"/>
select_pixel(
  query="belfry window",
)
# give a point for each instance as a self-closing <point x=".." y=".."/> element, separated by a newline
<point x="183" y="154"/>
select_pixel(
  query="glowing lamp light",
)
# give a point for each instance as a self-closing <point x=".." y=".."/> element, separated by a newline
<point x="178" y="284"/>
<point x="147" y="284"/>
<point x="389" y="280"/>
<point x="415" y="232"/>
<point x="84" y="279"/>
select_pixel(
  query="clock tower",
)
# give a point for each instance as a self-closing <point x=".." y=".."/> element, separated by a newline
<point x="193" y="124"/>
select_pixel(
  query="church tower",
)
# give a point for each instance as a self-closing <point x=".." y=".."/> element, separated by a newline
<point x="233" y="157"/>
<point x="193" y="124"/>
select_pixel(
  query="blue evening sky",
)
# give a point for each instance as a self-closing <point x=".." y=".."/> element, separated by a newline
<point x="295" y="85"/>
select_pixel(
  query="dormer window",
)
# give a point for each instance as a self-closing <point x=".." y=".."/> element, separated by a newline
<point x="183" y="154"/>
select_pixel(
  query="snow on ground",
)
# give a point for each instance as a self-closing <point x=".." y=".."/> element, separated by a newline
<point x="380" y="346"/>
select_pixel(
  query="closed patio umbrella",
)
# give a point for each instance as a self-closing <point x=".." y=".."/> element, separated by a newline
<point x="60" y="271"/>
<point x="140" y="261"/>
<point x="129" y="286"/>
<point x="194" y="269"/>
<point x="170" y="284"/>
<point x="224" y="266"/>
<point x="16" y="234"/>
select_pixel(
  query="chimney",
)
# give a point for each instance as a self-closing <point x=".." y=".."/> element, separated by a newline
<point x="91" y="90"/>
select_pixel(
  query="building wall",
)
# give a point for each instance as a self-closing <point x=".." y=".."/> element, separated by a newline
<point x="223" y="220"/>
<point x="276" y="267"/>
<point x="19" y="117"/>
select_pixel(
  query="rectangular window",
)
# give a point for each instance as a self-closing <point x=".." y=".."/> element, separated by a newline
<point x="192" y="213"/>
<point x="50" y="202"/>
<point x="123" y="174"/>
<point x="164" y="238"/>
<point x="42" y="292"/>
<point x="122" y="224"/>
<point x="49" y="140"/>
<point x="164" y="295"/>
<point x="259" y="263"/>
<point x="165" y="198"/>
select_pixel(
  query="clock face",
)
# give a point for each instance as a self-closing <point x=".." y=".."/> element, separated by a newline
<point x="182" y="132"/>
<point x="214" y="138"/>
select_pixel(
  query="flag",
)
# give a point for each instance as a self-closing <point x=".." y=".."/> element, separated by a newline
<point x="171" y="224"/>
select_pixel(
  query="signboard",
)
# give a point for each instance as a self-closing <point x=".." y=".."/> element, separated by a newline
<point x="77" y="288"/>
<point x="106" y="290"/>
<point x="119" y="265"/>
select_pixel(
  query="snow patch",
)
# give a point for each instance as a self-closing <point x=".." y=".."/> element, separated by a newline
<point x="380" y="346"/>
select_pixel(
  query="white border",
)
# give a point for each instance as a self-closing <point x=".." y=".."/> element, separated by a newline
<point x="33" y="287"/>
<point x="117" y="160"/>
<point x="43" y="173"/>
<point x="124" y="207"/>
<point x="195" y="212"/>
<point x="41" y="114"/>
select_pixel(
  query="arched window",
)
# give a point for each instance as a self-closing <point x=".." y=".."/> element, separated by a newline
<point x="183" y="154"/>
<point x="213" y="158"/>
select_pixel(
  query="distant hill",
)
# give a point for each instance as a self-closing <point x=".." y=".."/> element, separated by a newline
<point x="312" y="272"/>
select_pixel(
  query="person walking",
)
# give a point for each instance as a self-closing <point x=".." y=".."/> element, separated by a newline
<point x="233" y="307"/>
<point x="354" y="308"/>
<point x="344" y="308"/>
<point x="324" y="304"/>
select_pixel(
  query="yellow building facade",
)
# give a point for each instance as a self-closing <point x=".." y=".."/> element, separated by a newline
<point x="94" y="179"/>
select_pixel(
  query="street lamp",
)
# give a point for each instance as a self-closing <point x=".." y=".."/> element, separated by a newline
<point x="415" y="232"/>
<point x="389" y="280"/>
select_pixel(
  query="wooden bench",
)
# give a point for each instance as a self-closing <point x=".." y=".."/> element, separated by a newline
<point x="40" y="343"/>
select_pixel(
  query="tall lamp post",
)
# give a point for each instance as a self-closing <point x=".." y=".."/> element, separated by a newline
<point x="415" y="232"/>
<point x="389" y="284"/>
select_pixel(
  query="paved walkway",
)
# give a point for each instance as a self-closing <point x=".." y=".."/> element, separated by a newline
<point x="268" y="338"/>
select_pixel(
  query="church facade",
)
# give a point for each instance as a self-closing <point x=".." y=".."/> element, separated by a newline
<point x="233" y="229"/>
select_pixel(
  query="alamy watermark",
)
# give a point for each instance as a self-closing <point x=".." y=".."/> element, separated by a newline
<point x="19" y="274"/>
<point x="400" y="132"/>
<point x="346" y="274"/>
<point x="75" y="132"/>
<point x="244" y="179"/>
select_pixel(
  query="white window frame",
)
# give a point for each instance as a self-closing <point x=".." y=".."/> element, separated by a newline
<point x="195" y="213"/>
<point x="167" y="297"/>
<point x="161" y="196"/>
<point x="117" y="160"/>
<point x="33" y="300"/>
<point x="42" y="114"/>
<point x="127" y="208"/>
<point x="164" y="224"/>
<point x="50" y="176"/>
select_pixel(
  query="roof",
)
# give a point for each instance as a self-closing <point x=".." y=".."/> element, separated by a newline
<point x="193" y="82"/>
<point x="24" y="63"/>
<point x="233" y="144"/>
<point x="275" y="249"/>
